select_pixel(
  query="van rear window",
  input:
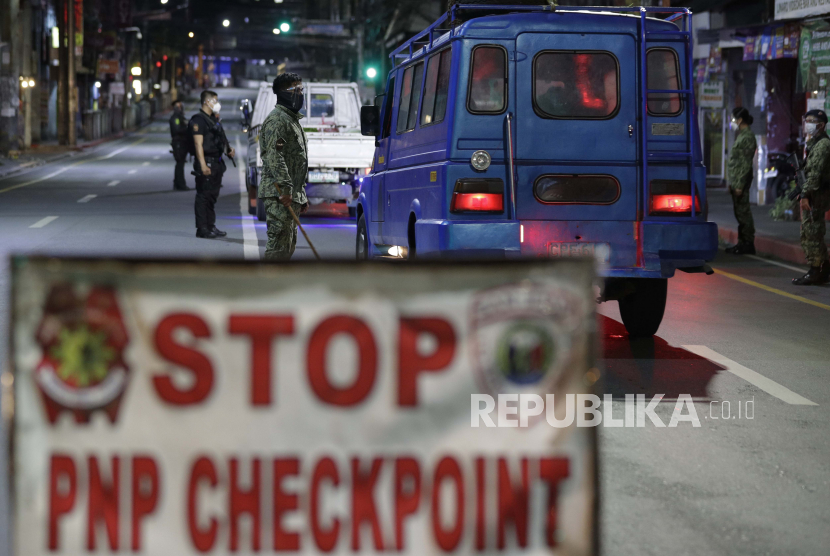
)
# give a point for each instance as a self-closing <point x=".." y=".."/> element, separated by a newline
<point x="663" y="73"/>
<point x="488" y="80"/>
<point x="322" y="105"/>
<point x="575" y="85"/>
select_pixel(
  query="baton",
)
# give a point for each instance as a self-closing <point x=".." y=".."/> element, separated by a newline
<point x="297" y="220"/>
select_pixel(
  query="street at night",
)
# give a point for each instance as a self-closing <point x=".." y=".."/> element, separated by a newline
<point x="502" y="377"/>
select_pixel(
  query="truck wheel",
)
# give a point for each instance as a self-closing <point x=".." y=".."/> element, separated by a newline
<point x="362" y="247"/>
<point x="642" y="311"/>
<point x="260" y="210"/>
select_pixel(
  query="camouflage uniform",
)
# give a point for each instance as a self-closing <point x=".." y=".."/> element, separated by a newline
<point x="817" y="191"/>
<point x="739" y="174"/>
<point x="284" y="151"/>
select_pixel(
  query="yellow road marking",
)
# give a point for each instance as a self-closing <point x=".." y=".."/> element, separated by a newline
<point x="772" y="290"/>
<point x="61" y="171"/>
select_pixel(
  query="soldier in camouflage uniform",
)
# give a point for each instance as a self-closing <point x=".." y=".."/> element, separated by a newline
<point x="284" y="149"/>
<point x="739" y="175"/>
<point x="815" y="199"/>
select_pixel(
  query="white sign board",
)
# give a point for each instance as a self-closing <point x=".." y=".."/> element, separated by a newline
<point x="711" y="94"/>
<point x="792" y="9"/>
<point x="172" y="408"/>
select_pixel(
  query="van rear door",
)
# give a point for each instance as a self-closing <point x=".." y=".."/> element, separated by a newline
<point x="576" y="128"/>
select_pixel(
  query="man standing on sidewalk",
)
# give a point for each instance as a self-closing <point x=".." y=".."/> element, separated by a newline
<point x="179" y="141"/>
<point x="740" y="180"/>
<point x="285" y="167"/>
<point x="815" y="199"/>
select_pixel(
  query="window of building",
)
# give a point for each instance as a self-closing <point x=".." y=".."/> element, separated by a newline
<point x="322" y="105"/>
<point x="488" y="80"/>
<point x="663" y="73"/>
<point x="576" y="85"/>
<point x="436" y="88"/>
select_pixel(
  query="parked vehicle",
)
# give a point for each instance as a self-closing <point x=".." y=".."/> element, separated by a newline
<point x="529" y="131"/>
<point x="337" y="153"/>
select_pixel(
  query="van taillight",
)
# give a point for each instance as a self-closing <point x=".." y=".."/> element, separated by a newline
<point x="672" y="198"/>
<point x="478" y="195"/>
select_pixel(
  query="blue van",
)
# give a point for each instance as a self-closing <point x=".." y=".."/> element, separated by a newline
<point x="542" y="131"/>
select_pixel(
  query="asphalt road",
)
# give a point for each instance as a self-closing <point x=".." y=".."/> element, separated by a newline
<point x="732" y="486"/>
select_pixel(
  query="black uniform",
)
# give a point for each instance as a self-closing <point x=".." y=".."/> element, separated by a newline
<point x="179" y="136"/>
<point x="207" y="187"/>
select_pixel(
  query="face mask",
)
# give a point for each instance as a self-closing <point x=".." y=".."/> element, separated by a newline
<point x="291" y="100"/>
<point x="809" y="128"/>
<point x="733" y="125"/>
<point x="217" y="107"/>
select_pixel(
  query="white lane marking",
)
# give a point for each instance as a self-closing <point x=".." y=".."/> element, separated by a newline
<point x="767" y="385"/>
<point x="776" y="263"/>
<point x="87" y="199"/>
<point x="250" y="243"/>
<point x="113" y="183"/>
<point x="115" y="152"/>
<point x="156" y="157"/>
<point x="38" y="180"/>
<point x="145" y="163"/>
<point x="43" y="222"/>
<point x="132" y="171"/>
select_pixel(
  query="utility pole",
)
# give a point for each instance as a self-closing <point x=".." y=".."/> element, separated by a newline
<point x="70" y="70"/>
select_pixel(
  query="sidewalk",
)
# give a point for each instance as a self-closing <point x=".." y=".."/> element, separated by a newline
<point x="772" y="238"/>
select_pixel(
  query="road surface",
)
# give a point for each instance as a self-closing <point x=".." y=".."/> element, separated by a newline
<point x="732" y="486"/>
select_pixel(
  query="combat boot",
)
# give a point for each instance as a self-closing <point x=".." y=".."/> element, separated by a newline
<point x="825" y="272"/>
<point x="205" y="234"/>
<point x="812" y="278"/>
<point x="218" y="232"/>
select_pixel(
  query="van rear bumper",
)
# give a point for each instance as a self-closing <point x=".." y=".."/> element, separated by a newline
<point x="467" y="239"/>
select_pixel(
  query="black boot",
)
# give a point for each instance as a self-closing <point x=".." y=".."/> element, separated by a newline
<point x="812" y="278"/>
<point x="205" y="234"/>
<point x="218" y="232"/>
<point x="824" y="276"/>
<point x="741" y="249"/>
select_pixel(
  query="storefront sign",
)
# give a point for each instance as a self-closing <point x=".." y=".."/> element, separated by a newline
<point x="108" y="67"/>
<point x="711" y="95"/>
<point x="814" y="53"/>
<point x="772" y="43"/>
<point x="173" y="408"/>
<point x="792" y="9"/>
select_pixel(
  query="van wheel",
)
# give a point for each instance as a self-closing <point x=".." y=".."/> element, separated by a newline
<point x="642" y="311"/>
<point x="362" y="247"/>
<point x="260" y="210"/>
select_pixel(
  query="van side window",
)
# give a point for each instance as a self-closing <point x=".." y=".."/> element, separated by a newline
<point x="406" y="96"/>
<point x="416" y="96"/>
<point x="436" y="88"/>
<point x="575" y="85"/>
<point x="663" y="73"/>
<point x="387" y="109"/>
<point x="488" y="80"/>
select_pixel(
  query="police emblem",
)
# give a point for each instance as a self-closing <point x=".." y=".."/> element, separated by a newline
<point x="522" y="336"/>
<point x="195" y="127"/>
<point x="83" y="338"/>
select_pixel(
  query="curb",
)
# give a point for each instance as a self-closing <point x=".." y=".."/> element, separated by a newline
<point x="767" y="246"/>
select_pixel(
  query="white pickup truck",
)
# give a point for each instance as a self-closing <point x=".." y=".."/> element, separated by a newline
<point x="337" y="153"/>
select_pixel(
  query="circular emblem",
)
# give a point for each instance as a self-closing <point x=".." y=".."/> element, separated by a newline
<point x="525" y="353"/>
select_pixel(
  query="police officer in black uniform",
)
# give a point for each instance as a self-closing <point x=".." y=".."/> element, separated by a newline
<point x="211" y="144"/>
<point x="179" y="137"/>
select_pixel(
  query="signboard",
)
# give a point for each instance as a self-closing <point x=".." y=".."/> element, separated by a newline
<point x="711" y="95"/>
<point x="117" y="88"/>
<point x="108" y="66"/>
<point x="793" y="9"/>
<point x="814" y="53"/>
<point x="171" y="408"/>
<point x="772" y="43"/>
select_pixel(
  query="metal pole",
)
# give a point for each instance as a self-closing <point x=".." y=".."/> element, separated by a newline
<point x="72" y="92"/>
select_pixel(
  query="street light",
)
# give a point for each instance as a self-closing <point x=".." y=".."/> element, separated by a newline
<point x="285" y="27"/>
<point x="31" y="82"/>
<point x="371" y="72"/>
<point x="97" y="84"/>
<point x="226" y="23"/>
<point x="136" y="71"/>
<point x="191" y="34"/>
<point x="163" y="1"/>
<point x="276" y="31"/>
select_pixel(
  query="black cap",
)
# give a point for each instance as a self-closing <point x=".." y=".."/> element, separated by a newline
<point x="175" y="102"/>
<point x="820" y="114"/>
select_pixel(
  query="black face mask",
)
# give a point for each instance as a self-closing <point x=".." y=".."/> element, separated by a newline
<point x="290" y="100"/>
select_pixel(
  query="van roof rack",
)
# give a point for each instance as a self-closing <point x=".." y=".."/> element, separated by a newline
<point x="426" y="38"/>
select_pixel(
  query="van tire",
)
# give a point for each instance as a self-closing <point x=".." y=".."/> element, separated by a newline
<point x="260" y="210"/>
<point x="642" y="311"/>
<point x="363" y="248"/>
